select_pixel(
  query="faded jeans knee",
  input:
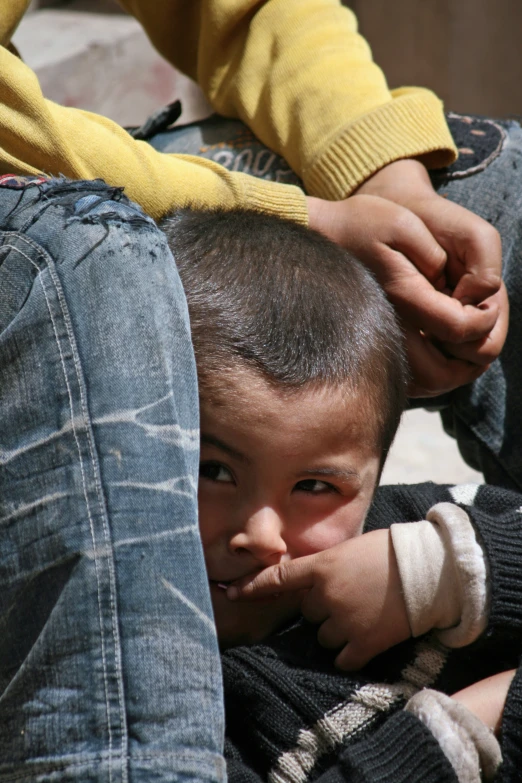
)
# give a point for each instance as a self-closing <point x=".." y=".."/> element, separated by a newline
<point x="109" y="663"/>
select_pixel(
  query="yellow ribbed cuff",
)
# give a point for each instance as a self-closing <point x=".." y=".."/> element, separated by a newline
<point x="411" y="125"/>
<point x="285" y="201"/>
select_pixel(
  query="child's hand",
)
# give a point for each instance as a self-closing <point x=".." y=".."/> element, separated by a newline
<point x="353" y="590"/>
<point x="487" y="698"/>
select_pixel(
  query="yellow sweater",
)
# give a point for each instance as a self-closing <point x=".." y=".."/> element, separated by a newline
<point x="295" y="71"/>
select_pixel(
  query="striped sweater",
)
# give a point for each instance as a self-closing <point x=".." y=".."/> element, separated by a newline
<point x="292" y="718"/>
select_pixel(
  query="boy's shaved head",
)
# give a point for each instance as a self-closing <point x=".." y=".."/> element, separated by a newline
<point x="276" y="298"/>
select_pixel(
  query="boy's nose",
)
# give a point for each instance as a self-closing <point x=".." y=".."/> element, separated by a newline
<point x="261" y="537"/>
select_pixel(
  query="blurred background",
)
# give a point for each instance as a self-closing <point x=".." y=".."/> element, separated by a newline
<point x="89" y="54"/>
<point x="468" y="51"/>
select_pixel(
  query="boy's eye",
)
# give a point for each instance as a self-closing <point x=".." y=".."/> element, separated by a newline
<point x="215" y="472"/>
<point x="314" y="486"/>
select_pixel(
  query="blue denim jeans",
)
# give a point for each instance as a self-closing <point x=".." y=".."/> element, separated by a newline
<point x="109" y="664"/>
<point x="486" y="416"/>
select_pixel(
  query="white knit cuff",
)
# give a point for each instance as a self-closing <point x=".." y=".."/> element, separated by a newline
<point x="470" y="747"/>
<point x="443" y="575"/>
<point x="459" y="536"/>
<point x="429" y="578"/>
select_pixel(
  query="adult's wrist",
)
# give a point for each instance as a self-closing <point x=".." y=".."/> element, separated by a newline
<point x="403" y="181"/>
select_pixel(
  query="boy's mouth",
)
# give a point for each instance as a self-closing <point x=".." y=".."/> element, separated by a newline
<point x="222" y="584"/>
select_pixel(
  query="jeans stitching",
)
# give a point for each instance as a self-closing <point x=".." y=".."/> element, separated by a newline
<point x="102" y="511"/>
<point x="59" y="293"/>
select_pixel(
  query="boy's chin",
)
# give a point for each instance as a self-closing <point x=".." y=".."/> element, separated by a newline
<point x="248" y="623"/>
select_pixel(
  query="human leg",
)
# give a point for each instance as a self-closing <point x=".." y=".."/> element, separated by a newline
<point x="109" y="661"/>
<point x="229" y="143"/>
<point x="485" y="416"/>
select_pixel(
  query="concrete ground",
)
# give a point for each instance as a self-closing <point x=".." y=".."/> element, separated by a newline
<point x="423" y="452"/>
<point x="104" y="63"/>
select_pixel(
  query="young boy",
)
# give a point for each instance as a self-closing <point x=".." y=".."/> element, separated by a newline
<point x="302" y="382"/>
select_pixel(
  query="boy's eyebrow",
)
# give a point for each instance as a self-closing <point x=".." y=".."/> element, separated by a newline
<point x="343" y="473"/>
<point x="211" y="440"/>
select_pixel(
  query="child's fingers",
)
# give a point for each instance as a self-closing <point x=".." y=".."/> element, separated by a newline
<point x="331" y="635"/>
<point x="353" y="657"/>
<point x="290" y="575"/>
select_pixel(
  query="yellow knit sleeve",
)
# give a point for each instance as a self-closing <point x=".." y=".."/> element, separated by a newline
<point x="38" y="136"/>
<point x="299" y="74"/>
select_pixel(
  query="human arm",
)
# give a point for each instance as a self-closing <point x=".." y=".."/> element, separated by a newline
<point x="331" y="116"/>
<point x="486" y="699"/>
<point x="466" y="724"/>
<point x="368" y="604"/>
<point x="225" y="47"/>
<point x="374" y="591"/>
<point x="254" y="63"/>
<point x="38" y="136"/>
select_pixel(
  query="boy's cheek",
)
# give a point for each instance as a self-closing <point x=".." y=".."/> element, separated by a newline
<point x="344" y="523"/>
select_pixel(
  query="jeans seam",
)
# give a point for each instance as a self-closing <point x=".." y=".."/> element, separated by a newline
<point x="59" y="293"/>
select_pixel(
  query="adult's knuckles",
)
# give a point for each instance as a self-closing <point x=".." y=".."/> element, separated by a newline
<point x="435" y="263"/>
<point x="414" y="240"/>
<point x="480" y="284"/>
<point x="486" y="237"/>
<point x="464" y="325"/>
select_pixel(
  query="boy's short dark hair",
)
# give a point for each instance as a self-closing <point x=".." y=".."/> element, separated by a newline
<point x="283" y="300"/>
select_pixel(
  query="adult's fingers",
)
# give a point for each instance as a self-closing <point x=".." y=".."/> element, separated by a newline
<point x="433" y="312"/>
<point x="365" y="224"/>
<point x="485" y="351"/>
<point x="409" y="262"/>
<point x="473" y="247"/>
<point x="433" y="372"/>
<point x="408" y="240"/>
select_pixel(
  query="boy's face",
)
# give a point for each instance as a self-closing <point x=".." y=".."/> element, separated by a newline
<point x="281" y="476"/>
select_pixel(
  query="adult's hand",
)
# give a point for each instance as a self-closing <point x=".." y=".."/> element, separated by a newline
<point x="438" y="263"/>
